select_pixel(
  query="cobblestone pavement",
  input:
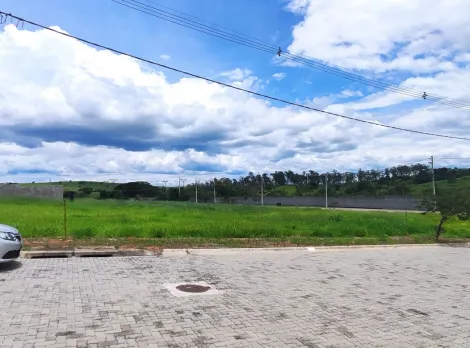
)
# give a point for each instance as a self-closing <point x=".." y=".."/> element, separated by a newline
<point x="410" y="297"/>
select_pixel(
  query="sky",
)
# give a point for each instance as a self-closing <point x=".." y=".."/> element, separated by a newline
<point x="69" y="111"/>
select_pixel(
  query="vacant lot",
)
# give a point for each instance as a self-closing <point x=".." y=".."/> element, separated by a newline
<point x="162" y="220"/>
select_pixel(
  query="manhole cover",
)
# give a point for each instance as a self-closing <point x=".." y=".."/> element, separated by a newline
<point x="193" y="288"/>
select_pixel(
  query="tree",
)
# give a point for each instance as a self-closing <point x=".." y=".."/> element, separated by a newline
<point x="141" y="188"/>
<point x="279" y="178"/>
<point x="85" y="191"/>
<point x="448" y="203"/>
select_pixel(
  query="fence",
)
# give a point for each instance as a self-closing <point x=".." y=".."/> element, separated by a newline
<point x="360" y="202"/>
<point x="15" y="190"/>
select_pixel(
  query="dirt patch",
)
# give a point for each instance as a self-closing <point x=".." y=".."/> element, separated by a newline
<point x="48" y="244"/>
<point x="403" y="239"/>
<point x="154" y="248"/>
<point x="156" y="245"/>
<point x="128" y="246"/>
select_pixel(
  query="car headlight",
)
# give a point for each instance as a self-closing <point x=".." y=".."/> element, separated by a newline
<point x="7" y="236"/>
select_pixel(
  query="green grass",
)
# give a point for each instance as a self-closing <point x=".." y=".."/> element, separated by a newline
<point x="90" y="218"/>
<point x="458" y="184"/>
<point x="283" y="191"/>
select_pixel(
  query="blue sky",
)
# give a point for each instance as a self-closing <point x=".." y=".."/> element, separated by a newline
<point x="109" y="23"/>
<point x="73" y="112"/>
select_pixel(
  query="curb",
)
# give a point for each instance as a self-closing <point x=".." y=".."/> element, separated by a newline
<point x="220" y="251"/>
<point x="94" y="253"/>
<point x="227" y="251"/>
<point x="44" y="254"/>
<point x="208" y="252"/>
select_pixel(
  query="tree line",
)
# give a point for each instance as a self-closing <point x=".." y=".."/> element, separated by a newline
<point x="389" y="181"/>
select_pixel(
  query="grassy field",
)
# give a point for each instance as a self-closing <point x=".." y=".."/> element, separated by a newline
<point x="165" y="221"/>
<point x="458" y="184"/>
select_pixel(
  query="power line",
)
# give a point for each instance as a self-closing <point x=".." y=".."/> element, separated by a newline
<point x="241" y="39"/>
<point x="452" y="158"/>
<point x="230" y="86"/>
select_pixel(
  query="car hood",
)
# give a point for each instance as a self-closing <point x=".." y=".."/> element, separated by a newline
<point x="6" y="228"/>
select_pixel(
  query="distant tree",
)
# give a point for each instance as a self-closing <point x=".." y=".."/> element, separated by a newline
<point x="290" y="177"/>
<point x="279" y="178"/>
<point x="117" y="195"/>
<point x="85" y="191"/>
<point x="173" y="194"/>
<point x="105" y="194"/>
<point x="268" y="184"/>
<point x="448" y="203"/>
<point x="141" y="188"/>
<point x="313" y="178"/>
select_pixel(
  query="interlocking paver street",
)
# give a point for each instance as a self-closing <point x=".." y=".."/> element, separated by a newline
<point x="406" y="297"/>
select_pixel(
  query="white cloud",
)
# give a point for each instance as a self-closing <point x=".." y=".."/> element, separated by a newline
<point x="349" y="93"/>
<point x="464" y="57"/>
<point x="298" y="6"/>
<point x="279" y="76"/>
<point x="383" y="35"/>
<point x="165" y="57"/>
<point x="237" y="74"/>
<point x="75" y="112"/>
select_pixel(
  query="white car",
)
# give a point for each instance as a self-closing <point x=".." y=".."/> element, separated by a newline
<point x="10" y="243"/>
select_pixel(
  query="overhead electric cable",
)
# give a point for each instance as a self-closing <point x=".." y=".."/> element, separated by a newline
<point x="21" y="20"/>
<point x="241" y="39"/>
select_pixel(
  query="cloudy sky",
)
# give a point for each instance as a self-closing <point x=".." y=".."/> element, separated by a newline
<point x="69" y="111"/>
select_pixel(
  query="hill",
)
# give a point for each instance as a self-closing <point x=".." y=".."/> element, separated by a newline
<point x="416" y="190"/>
<point x="405" y="180"/>
<point x="455" y="184"/>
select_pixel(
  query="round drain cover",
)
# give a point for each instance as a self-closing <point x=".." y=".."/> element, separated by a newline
<point x="193" y="288"/>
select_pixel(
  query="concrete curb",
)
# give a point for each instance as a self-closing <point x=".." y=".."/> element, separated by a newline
<point x="46" y="254"/>
<point x="94" y="253"/>
<point x="221" y="251"/>
<point x="36" y="254"/>
<point x="136" y="252"/>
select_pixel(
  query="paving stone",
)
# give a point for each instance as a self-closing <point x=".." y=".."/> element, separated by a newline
<point x="416" y="297"/>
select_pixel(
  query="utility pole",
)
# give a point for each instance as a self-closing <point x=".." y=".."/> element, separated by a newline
<point x="196" y="190"/>
<point x="433" y="182"/>
<point x="262" y="193"/>
<point x="215" y="199"/>
<point x="326" y="190"/>
<point x="179" y="185"/>
<point x="166" y="191"/>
